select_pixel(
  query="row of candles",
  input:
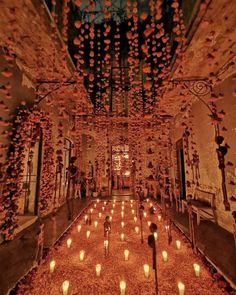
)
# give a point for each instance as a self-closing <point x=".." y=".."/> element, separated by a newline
<point x="146" y="268"/>
<point x="126" y="253"/>
<point x="65" y="285"/>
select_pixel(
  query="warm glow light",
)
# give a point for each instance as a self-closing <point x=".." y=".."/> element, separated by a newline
<point x="81" y="255"/>
<point x="106" y="243"/>
<point x="95" y="224"/>
<point x="131" y="201"/>
<point x="146" y="269"/>
<point x="122" y="208"/>
<point x="99" y="214"/>
<point x="122" y="224"/>
<point x="91" y="210"/>
<point x="97" y="200"/>
<point x="110" y="218"/>
<point x="88" y="234"/>
<point x="52" y="265"/>
<point x="122" y="202"/>
<point x="164" y="256"/>
<point x="95" y="205"/>
<point x="98" y="270"/>
<point x="65" y="287"/>
<point x="167" y="227"/>
<point x="178" y="244"/>
<point x="159" y="217"/>
<point x="149" y="223"/>
<point x="196" y="269"/>
<point x="103" y="208"/>
<point x="104" y="203"/>
<point x="145" y="214"/>
<point x="155" y="236"/>
<point x="79" y="228"/>
<point x="126" y="253"/>
<point x="132" y="211"/>
<point x="122" y="287"/>
<point x="122" y="237"/>
<point x="150" y="205"/>
<point x="181" y="288"/>
<point x="113" y="205"/>
<point x="112" y="211"/>
<point x="85" y="218"/>
<point x="131" y="205"/>
<point x="69" y="242"/>
<point x="136" y="229"/>
<point x="147" y="200"/>
<point x="135" y="218"/>
<point x="122" y="214"/>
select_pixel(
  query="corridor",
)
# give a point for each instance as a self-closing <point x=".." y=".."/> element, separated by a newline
<point x="127" y="102"/>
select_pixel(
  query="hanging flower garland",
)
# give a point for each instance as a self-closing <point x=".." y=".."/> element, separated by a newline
<point x="25" y="134"/>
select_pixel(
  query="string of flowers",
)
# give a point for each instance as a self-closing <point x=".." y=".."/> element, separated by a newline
<point x="25" y="132"/>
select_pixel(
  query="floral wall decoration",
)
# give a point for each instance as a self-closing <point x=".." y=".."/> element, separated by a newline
<point x="25" y="133"/>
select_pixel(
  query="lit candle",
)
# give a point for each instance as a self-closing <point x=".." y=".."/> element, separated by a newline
<point x="122" y="237"/>
<point x="131" y="205"/>
<point x="98" y="270"/>
<point x="95" y="205"/>
<point x="147" y="200"/>
<point x="131" y="201"/>
<point x="181" y="288"/>
<point x="106" y="242"/>
<point x="88" y="234"/>
<point x="146" y="269"/>
<point x="105" y="203"/>
<point x="79" y="228"/>
<point x="178" y="244"/>
<point x="103" y="208"/>
<point x="113" y="205"/>
<point x="150" y="205"/>
<point x="145" y="214"/>
<point x="52" y="265"/>
<point x="97" y="200"/>
<point x="132" y="211"/>
<point x="69" y="242"/>
<point x="95" y="224"/>
<point x="122" y="224"/>
<point x="122" y="214"/>
<point x="122" y="287"/>
<point x="135" y="218"/>
<point x="155" y="236"/>
<point x="110" y="218"/>
<point x="122" y="208"/>
<point x="65" y="287"/>
<point x="136" y="229"/>
<point x="91" y="210"/>
<point x="196" y="269"/>
<point x="123" y="202"/>
<point x="149" y="223"/>
<point x="159" y="217"/>
<point x="99" y="214"/>
<point x="167" y="227"/>
<point x="85" y="218"/>
<point x="112" y="211"/>
<point x="81" y="255"/>
<point x="126" y="253"/>
<point x="164" y="256"/>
